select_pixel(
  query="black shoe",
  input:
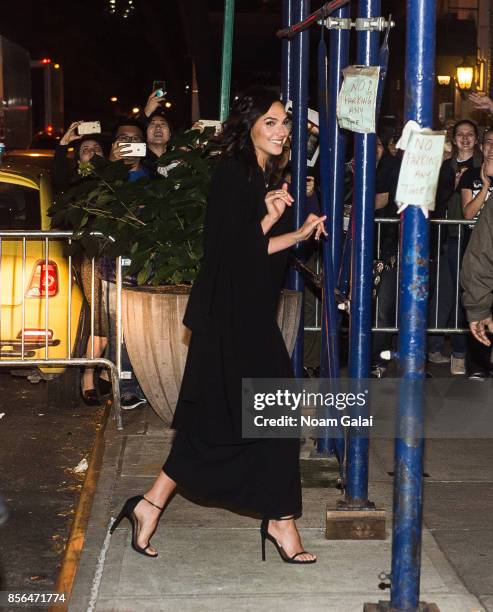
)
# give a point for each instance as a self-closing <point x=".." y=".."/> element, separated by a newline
<point x="105" y="387"/>
<point x="265" y="535"/>
<point x="131" y="401"/>
<point x="90" y="397"/>
<point x="128" y="512"/>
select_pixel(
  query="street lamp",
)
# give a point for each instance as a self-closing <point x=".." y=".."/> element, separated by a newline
<point x="443" y="79"/>
<point x="464" y="75"/>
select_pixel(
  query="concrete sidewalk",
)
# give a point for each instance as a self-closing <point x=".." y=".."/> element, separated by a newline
<point x="210" y="559"/>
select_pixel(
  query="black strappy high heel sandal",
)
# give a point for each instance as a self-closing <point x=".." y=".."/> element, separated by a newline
<point x="265" y="535"/>
<point x="128" y="512"/>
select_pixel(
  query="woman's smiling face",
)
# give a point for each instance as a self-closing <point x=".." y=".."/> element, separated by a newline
<point x="269" y="132"/>
<point x="465" y="138"/>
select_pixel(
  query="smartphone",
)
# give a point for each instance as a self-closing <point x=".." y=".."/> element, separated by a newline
<point x="217" y="125"/>
<point x="133" y="149"/>
<point x="89" y="127"/>
<point x="160" y="88"/>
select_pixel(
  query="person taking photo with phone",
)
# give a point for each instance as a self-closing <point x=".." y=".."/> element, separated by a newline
<point x="85" y="146"/>
<point x="158" y="128"/>
<point x="129" y="146"/>
<point x="65" y="174"/>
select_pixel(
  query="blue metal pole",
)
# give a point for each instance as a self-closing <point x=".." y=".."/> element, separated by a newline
<point x="339" y="57"/>
<point x="329" y="357"/>
<point x="332" y="161"/>
<point x="409" y="446"/>
<point x="361" y="270"/>
<point x="299" y="72"/>
<point x="286" y="49"/>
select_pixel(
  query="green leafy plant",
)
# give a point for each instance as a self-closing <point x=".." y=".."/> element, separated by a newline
<point x="157" y="223"/>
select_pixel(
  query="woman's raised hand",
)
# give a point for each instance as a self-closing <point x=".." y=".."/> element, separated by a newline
<point x="313" y="223"/>
<point x="276" y="202"/>
<point x="71" y="134"/>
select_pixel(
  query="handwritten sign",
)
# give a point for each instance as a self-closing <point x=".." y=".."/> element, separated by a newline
<point x="357" y="99"/>
<point x="420" y="167"/>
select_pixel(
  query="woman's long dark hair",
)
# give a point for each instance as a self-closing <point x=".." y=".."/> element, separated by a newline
<point x="236" y="140"/>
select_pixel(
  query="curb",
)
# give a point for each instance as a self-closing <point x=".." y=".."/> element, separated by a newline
<point x="75" y="542"/>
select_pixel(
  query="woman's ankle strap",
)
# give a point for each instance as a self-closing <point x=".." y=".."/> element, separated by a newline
<point x="152" y="503"/>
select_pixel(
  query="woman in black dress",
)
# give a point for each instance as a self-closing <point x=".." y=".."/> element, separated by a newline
<point x="232" y="315"/>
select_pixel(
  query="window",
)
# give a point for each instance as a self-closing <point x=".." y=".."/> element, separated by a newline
<point x="19" y="207"/>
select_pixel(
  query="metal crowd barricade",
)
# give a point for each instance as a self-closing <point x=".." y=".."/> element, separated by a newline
<point x="436" y="255"/>
<point x="10" y="347"/>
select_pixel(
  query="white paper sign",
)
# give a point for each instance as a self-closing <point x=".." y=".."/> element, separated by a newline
<point x="357" y="99"/>
<point x="420" y="167"/>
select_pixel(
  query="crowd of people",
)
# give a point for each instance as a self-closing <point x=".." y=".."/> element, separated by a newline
<point x="153" y="129"/>
<point x="464" y="187"/>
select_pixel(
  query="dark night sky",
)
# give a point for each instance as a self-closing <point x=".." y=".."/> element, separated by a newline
<point x="104" y="55"/>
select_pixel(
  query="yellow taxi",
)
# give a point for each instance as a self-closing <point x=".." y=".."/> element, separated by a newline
<point x="38" y="290"/>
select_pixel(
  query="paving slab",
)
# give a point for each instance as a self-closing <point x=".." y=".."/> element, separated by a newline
<point x="226" y="563"/>
<point x="459" y="506"/>
<point x="471" y="554"/>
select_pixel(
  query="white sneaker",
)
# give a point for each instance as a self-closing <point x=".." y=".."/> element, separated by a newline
<point x="131" y="401"/>
<point x="458" y="366"/>
<point x="437" y="357"/>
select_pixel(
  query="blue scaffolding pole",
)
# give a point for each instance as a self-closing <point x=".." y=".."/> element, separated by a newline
<point x="339" y="59"/>
<point x="361" y="269"/>
<point x="332" y="157"/>
<point x="299" y="92"/>
<point x="409" y="446"/>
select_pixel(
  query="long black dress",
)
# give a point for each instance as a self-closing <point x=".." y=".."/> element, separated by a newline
<point x="232" y="315"/>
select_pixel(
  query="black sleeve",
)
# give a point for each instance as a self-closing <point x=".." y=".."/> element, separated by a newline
<point x="393" y="182"/>
<point x="383" y="175"/>
<point x="467" y="179"/>
<point x="61" y="169"/>
<point x="233" y="237"/>
<point x="229" y="215"/>
<point x="445" y="188"/>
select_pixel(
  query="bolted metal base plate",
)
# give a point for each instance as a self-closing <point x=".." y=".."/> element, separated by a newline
<point x="358" y="524"/>
<point x="384" y="606"/>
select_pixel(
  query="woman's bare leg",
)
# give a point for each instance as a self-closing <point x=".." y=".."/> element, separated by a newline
<point x="147" y="515"/>
<point x="100" y="343"/>
<point x="287" y="535"/>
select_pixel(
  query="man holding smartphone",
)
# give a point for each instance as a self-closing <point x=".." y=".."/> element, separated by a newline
<point x="129" y="146"/>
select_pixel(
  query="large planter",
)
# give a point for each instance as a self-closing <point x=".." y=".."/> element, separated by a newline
<point x="157" y="345"/>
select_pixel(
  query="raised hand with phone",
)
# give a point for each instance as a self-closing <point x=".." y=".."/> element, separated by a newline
<point x="71" y="134"/>
<point x="156" y="99"/>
